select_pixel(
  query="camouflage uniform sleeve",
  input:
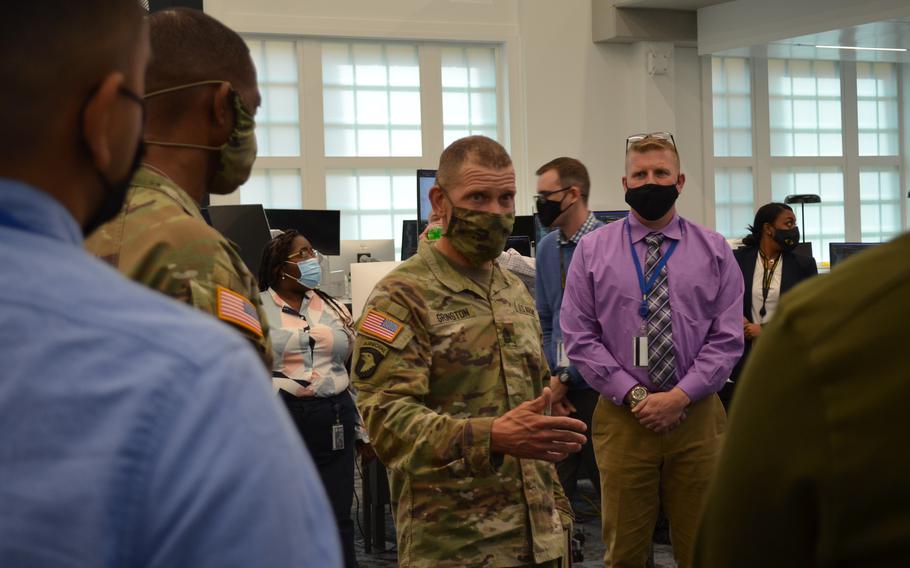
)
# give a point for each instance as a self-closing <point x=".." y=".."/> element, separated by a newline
<point x="194" y="273"/>
<point x="392" y="376"/>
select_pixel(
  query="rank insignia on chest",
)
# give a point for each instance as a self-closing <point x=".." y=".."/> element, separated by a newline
<point x="381" y="326"/>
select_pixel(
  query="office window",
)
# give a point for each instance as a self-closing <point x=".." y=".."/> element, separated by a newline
<point x="278" y="118"/>
<point x="804" y="105"/>
<point x="824" y="222"/>
<point x="732" y="90"/>
<point x="801" y="147"/>
<point x="371" y="99"/>
<point x="733" y="199"/>
<point x="274" y="189"/>
<point x="877" y="109"/>
<point x="880" y="197"/>
<point x="469" y="92"/>
<point x="370" y="132"/>
<point x="373" y="203"/>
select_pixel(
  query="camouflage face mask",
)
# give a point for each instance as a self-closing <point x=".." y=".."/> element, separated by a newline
<point x="237" y="154"/>
<point x="478" y="236"/>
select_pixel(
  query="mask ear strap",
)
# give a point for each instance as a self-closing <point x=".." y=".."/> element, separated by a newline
<point x="181" y="145"/>
<point x="451" y="203"/>
<point x="182" y="87"/>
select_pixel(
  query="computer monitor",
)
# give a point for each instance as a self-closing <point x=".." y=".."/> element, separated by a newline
<point x="245" y="226"/>
<point x="426" y="179"/>
<point x="410" y="234"/>
<point x="608" y="217"/>
<point x="321" y="227"/>
<point x="526" y="226"/>
<point x="839" y="252"/>
<point x="521" y="243"/>
<point x="352" y="252"/>
<point x="804" y="249"/>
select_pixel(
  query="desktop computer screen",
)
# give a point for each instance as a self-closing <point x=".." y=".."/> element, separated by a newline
<point x="426" y="179"/>
<point x="370" y="250"/>
<point x="321" y="228"/>
<point x="804" y="249"/>
<point x="608" y="217"/>
<point x="245" y="226"/>
<point x="520" y="243"/>
<point x="839" y="252"/>
<point x="410" y="232"/>
<point x="526" y="226"/>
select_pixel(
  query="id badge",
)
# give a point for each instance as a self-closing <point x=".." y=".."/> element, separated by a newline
<point x="561" y="357"/>
<point x="640" y="348"/>
<point x="337" y="437"/>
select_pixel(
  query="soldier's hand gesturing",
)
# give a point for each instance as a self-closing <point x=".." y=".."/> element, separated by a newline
<point x="527" y="432"/>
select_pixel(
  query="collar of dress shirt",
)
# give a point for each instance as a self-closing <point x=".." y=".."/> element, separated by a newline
<point x="671" y="230"/>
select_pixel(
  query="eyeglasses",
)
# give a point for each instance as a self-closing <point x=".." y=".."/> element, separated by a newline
<point x="542" y="196"/>
<point x="305" y="253"/>
<point x="668" y="136"/>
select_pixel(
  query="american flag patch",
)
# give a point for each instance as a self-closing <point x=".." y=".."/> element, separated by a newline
<point x="380" y="326"/>
<point x="234" y="308"/>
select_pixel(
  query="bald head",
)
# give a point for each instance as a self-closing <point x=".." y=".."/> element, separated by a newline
<point x="53" y="54"/>
<point x="189" y="46"/>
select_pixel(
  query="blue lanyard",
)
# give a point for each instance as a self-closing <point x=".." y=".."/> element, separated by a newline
<point x="647" y="286"/>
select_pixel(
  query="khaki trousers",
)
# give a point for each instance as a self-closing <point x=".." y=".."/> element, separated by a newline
<point x="639" y="469"/>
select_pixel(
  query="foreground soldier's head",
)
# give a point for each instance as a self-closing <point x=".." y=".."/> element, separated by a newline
<point x="72" y="103"/>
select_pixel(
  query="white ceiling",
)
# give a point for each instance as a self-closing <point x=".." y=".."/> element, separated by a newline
<point x="891" y="33"/>
<point x="894" y="33"/>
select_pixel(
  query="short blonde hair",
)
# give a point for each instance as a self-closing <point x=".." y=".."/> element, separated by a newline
<point x="651" y="144"/>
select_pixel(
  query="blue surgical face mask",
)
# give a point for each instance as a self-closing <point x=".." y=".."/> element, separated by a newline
<point x="310" y="272"/>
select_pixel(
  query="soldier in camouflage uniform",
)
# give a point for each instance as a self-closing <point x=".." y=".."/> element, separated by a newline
<point x="160" y="237"/>
<point x="451" y="374"/>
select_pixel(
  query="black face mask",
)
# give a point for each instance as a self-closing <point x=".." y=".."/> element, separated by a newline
<point x="787" y="239"/>
<point x="548" y="211"/>
<point x="115" y="191"/>
<point x="652" y="201"/>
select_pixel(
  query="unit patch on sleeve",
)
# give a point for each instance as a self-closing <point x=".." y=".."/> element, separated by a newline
<point x="381" y="326"/>
<point x="369" y="356"/>
<point x="234" y="308"/>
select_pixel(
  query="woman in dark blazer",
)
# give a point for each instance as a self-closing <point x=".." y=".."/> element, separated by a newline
<point x="770" y="269"/>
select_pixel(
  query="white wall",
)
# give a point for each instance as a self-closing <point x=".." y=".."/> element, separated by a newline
<point x="583" y="99"/>
<point x="567" y="95"/>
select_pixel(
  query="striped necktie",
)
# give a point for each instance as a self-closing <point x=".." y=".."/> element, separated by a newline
<point x="661" y="356"/>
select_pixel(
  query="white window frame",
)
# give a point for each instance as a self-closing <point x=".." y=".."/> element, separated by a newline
<point x="313" y="164"/>
<point x="762" y="163"/>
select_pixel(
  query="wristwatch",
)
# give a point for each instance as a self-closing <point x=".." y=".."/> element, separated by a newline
<point x="636" y="395"/>
<point x="564" y="376"/>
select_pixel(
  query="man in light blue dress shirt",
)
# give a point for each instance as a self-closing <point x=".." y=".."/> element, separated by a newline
<point x="133" y="430"/>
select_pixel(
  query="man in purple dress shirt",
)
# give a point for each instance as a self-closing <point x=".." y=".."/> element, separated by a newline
<point x="656" y="333"/>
